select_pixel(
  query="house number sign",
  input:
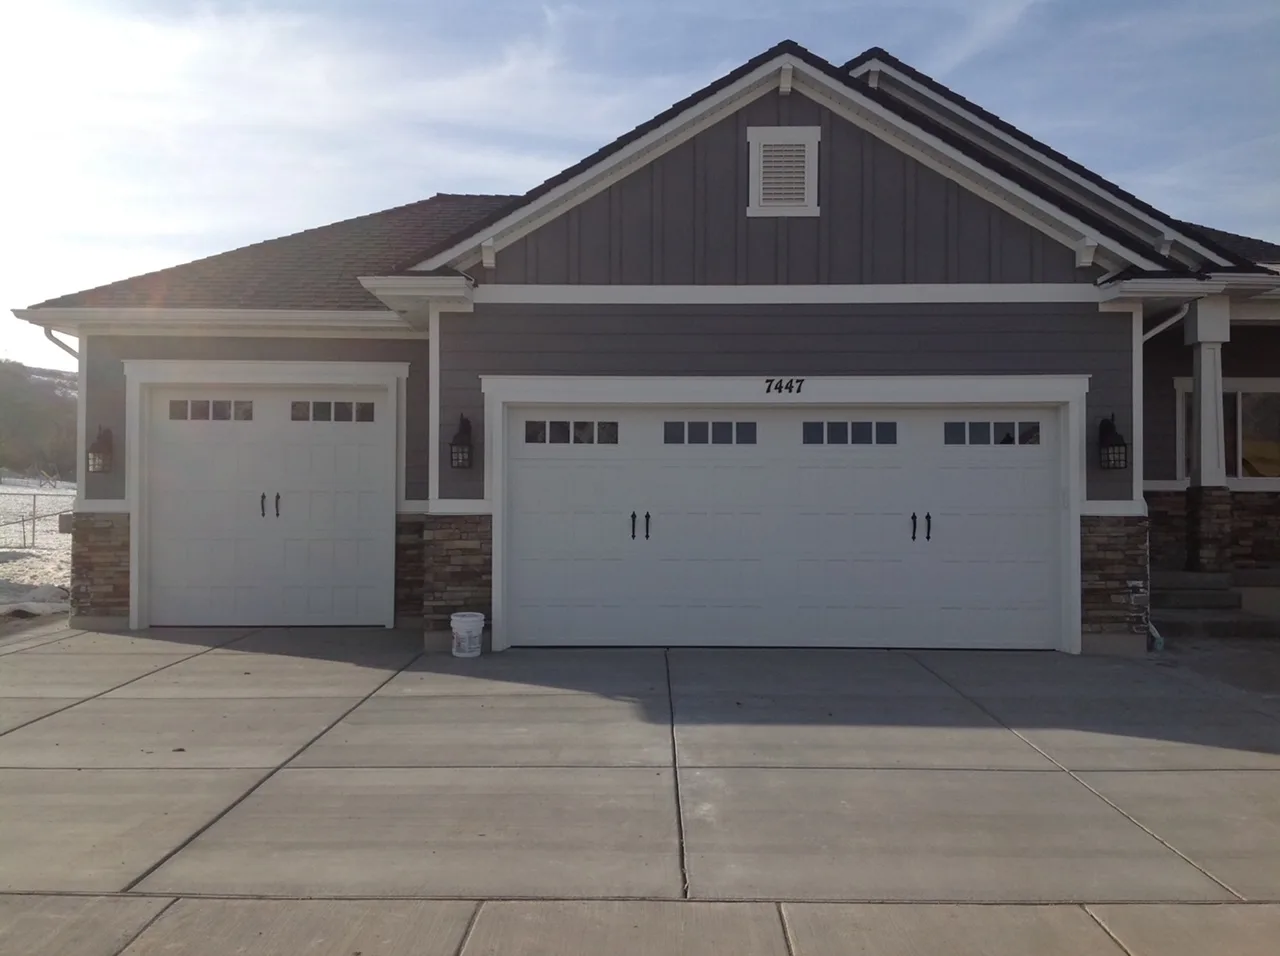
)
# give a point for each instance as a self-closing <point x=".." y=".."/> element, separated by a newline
<point x="780" y="385"/>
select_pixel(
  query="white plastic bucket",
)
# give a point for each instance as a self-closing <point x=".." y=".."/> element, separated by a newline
<point x="467" y="628"/>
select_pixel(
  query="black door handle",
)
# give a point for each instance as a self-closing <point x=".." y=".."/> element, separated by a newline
<point x="928" y="525"/>
<point x="277" y="504"/>
<point x="263" y="504"/>
<point x="633" y="526"/>
<point x="646" y="526"/>
<point x="913" y="526"/>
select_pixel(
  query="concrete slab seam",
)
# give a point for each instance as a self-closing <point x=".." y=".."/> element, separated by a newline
<point x="471" y="928"/>
<point x="271" y="773"/>
<point x="675" y="778"/>
<point x="787" y="941"/>
<point x="1106" y="929"/>
<point x="1076" y="777"/>
<point x="181" y="660"/>
<point x="145" y="926"/>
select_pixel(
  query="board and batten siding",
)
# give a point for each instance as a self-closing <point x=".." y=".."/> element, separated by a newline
<point x="787" y="341"/>
<point x="885" y="218"/>
<point x="1253" y="352"/>
<point x="105" y="386"/>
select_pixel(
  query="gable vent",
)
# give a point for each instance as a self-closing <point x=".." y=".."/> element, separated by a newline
<point x="784" y="170"/>
<point x="782" y="174"/>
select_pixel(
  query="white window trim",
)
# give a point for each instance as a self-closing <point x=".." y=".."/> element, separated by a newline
<point x="1065" y="392"/>
<point x="143" y="375"/>
<point x="1182" y="388"/>
<point x="806" y="136"/>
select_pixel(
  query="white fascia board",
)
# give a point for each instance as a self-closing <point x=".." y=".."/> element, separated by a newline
<point x="408" y="292"/>
<point x="785" y="294"/>
<point x="950" y="162"/>
<point x="1122" y="508"/>
<point x="1161" y="227"/>
<point x="1161" y="288"/>
<point x="817" y="390"/>
<point x="213" y="321"/>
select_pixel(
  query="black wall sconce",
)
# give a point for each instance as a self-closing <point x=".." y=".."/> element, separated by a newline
<point x="460" y="447"/>
<point x="1113" y="450"/>
<point x="101" y="452"/>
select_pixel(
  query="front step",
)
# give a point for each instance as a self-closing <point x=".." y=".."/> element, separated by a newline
<point x="1199" y="623"/>
<point x="1189" y="580"/>
<point x="1223" y="600"/>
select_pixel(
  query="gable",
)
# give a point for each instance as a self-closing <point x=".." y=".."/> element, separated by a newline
<point x="885" y="218"/>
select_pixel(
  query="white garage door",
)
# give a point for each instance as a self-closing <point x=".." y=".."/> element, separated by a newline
<point x="270" y="506"/>
<point x="832" y="526"/>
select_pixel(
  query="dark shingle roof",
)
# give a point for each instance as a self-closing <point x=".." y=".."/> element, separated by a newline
<point x="314" y="269"/>
<point x="1258" y="250"/>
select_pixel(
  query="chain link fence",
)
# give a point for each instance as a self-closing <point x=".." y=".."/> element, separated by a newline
<point x="29" y="517"/>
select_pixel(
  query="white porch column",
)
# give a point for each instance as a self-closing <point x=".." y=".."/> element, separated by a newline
<point x="1206" y="331"/>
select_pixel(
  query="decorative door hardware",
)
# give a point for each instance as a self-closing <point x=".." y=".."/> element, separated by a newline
<point x="646" y="526"/>
<point x="633" y="526"/>
<point x="277" y="504"/>
<point x="928" y="525"/>
<point x="913" y="526"/>
<point x="263" y="504"/>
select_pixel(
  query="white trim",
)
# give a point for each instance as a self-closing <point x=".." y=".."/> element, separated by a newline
<point x="143" y="374"/>
<point x="402" y="436"/>
<point x="807" y="136"/>
<point x="941" y="293"/>
<point x="82" y="417"/>
<point x="433" y="403"/>
<point x="1085" y="251"/>
<point x="1115" y="508"/>
<point x="461" y="506"/>
<point x="1183" y="386"/>
<point x="876" y="65"/>
<point x="101" y="506"/>
<point x="1137" y="437"/>
<point x="405" y="292"/>
<point x="1067" y="391"/>
<point x="848" y="102"/>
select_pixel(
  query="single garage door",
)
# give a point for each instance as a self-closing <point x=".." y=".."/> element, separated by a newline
<point x="270" y="506"/>
<point x="874" y="527"/>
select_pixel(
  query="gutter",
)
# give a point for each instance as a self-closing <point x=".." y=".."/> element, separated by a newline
<point x="48" y="334"/>
<point x="1173" y="320"/>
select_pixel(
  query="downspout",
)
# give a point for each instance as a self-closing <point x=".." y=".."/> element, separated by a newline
<point x="48" y="334"/>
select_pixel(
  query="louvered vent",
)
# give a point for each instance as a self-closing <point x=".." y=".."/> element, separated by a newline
<point x="782" y="174"/>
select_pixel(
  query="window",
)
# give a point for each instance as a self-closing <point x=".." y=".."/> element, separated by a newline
<point x="203" y="410"/>
<point x="535" y="433"/>
<point x="1251" y="427"/>
<point x="343" y="412"/>
<point x="990" y="433"/>
<point x="559" y="432"/>
<point x="178" y="411"/>
<point x="849" y="433"/>
<point x="326" y="411"/>
<point x="584" y="433"/>
<point x="784" y="170"/>
<point x="364" y="411"/>
<point x="708" y="433"/>
<point x="565" y="433"/>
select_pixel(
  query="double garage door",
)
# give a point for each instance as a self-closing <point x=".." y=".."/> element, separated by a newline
<point x="270" y="506"/>
<point x="846" y="526"/>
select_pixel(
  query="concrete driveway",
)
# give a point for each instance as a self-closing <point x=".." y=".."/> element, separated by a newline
<point x="336" y="792"/>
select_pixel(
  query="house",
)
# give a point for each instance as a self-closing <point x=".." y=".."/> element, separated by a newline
<point x="821" y="355"/>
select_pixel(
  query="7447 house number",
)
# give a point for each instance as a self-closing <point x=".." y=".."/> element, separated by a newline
<point x="780" y="385"/>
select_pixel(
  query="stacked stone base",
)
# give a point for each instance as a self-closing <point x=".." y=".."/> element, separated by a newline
<point x="1246" y="522"/>
<point x="1114" y="593"/>
<point x="411" y="569"/>
<point x="100" y="569"/>
<point x="458" y="559"/>
<point x="1209" y="530"/>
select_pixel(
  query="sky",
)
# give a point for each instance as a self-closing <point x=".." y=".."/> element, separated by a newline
<point x="139" y="134"/>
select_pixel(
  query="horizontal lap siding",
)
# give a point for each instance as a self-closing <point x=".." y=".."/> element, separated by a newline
<point x="886" y="218"/>
<point x="105" y="385"/>
<point x="818" y="340"/>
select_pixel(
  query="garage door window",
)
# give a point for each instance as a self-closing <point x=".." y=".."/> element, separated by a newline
<point x="328" y="411"/>
<point x="565" y="433"/>
<point x="991" y="433"/>
<point x="712" y="433"/>
<point x="849" y="433"/>
<point x="203" y="410"/>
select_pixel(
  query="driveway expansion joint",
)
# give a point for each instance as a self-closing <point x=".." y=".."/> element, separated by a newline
<point x="675" y="778"/>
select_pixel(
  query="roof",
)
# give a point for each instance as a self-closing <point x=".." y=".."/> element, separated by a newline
<point x="1190" y="229"/>
<point x="315" y="269"/>
<point x="1257" y="250"/>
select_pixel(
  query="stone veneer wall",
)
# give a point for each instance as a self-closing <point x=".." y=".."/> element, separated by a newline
<point x="458" y="555"/>
<point x="100" y="565"/>
<point x="411" y="566"/>
<point x="1255" y="529"/>
<point x="1209" y="530"/>
<point x="1114" y="575"/>
<point x="1167" y="514"/>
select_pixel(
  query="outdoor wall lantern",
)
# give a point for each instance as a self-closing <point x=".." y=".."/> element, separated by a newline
<point x="460" y="447"/>
<point x="100" y="452"/>
<point x="1113" y="450"/>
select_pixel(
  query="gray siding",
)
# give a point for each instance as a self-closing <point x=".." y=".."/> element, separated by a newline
<point x="885" y="219"/>
<point x="818" y="340"/>
<point x="1253" y="352"/>
<point x="105" y="385"/>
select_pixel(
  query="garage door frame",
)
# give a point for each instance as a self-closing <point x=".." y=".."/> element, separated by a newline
<point x="1066" y="392"/>
<point x="143" y="375"/>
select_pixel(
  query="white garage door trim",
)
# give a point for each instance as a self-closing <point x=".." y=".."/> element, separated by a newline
<point x="142" y="375"/>
<point x="1066" y="391"/>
